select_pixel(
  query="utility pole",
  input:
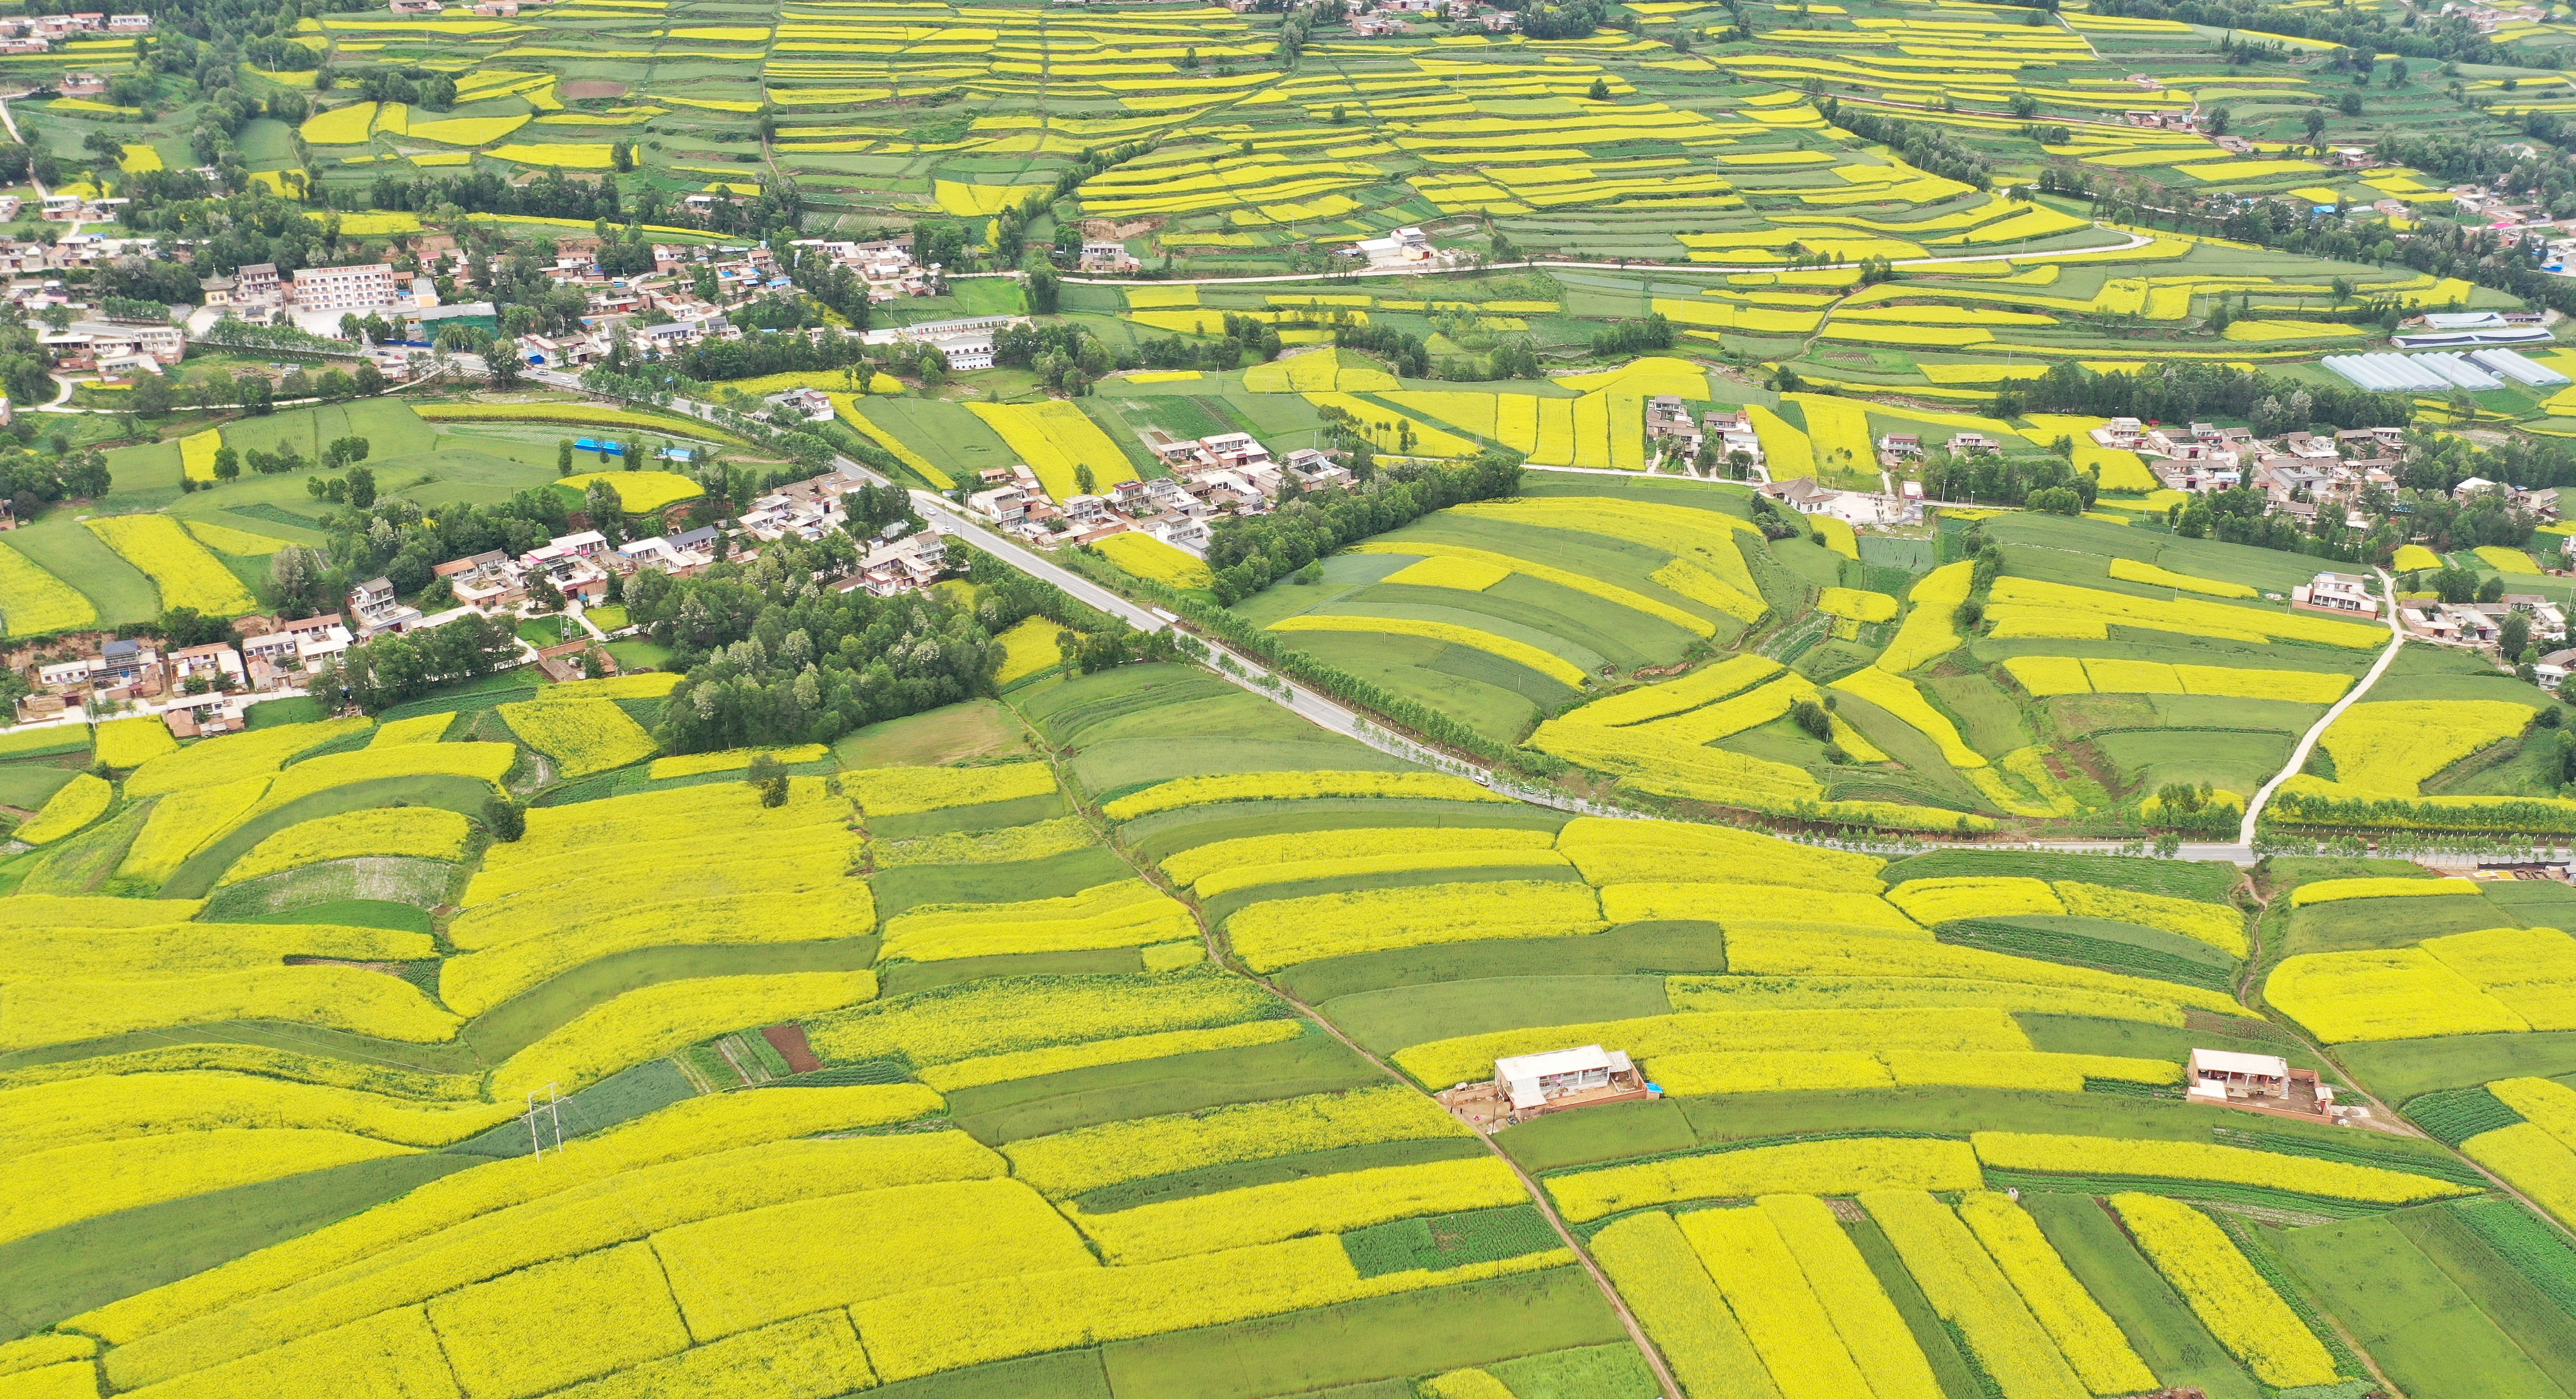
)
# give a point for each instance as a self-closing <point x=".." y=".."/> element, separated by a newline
<point x="552" y="1108"/>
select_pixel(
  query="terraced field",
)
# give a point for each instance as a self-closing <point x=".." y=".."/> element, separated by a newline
<point x="1114" y="1066"/>
<point x="1118" y="1031"/>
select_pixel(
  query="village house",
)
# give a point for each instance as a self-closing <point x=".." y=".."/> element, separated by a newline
<point x="2454" y="622"/>
<point x="1003" y="505"/>
<point x="2336" y="592"/>
<point x="679" y="555"/>
<point x="1735" y="434"/>
<point x="2554" y="667"/>
<point x="1108" y="255"/>
<point x="115" y="347"/>
<point x="806" y="509"/>
<point x="487" y="582"/>
<point x="905" y="563"/>
<point x="1802" y="495"/>
<point x="572" y="563"/>
<point x="1186" y="533"/>
<point x="125" y="661"/>
<point x="209" y="715"/>
<point x="813" y="405"/>
<point x="273" y="650"/>
<point x="569" y="661"/>
<point x="1669" y="422"/>
<point x="66" y="676"/>
<point x="1402" y="247"/>
<point x="377" y="609"/>
<point x="1313" y="470"/>
<point x="1853" y="507"/>
<point x="2123" y="433"/>
<point x="213" y="666"/>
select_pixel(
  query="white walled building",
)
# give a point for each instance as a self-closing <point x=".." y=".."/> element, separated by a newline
<point x="345" y="289"/>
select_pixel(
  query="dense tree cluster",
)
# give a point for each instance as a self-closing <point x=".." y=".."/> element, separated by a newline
<point x="250" y="227"/>
<point x="1626" y="338"/>
<point x="1065" y="355"/>
<point x="2360" y="30"/>
<point x="756" y="355"/>
<point x="828" y="282"/>
<point x="1249" y="551"/>
<point x="397" y="666"/>
<point x="1404" y="352"/>
<point x="2505" y="262"/>
<point x="773" y="657"/>
<point x="1574" y="19"/>
<point x="419" y="87"/>
<point x="2436" y="463"/>
<point x="1242" y="335"/>
<point x="2179" y="393"/>
<point x="33" y="480"/>
<point x="870" y="509"/>
<point x="1992" y="478"/>
<point x="1927" y="148"/>
<point x="551" y="195"/>
<point x="1294" y="31"/>
<point x="24" y="361"/>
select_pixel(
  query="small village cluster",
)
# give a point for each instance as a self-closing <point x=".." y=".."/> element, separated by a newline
<point x="39" y="33"/>
<point x="199" y="689"/>
<point x="673" y="308"/>
<point x="2298" y="471"/>
<point x="1212" y="478"/>
<point x="203" y="689"/>
<point x="1726" y="436"/>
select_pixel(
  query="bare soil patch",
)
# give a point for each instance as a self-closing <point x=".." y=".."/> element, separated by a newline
<point x="789" y="1041"/>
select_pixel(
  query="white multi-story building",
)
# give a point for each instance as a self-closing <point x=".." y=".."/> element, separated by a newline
<point x="361" y="288"/>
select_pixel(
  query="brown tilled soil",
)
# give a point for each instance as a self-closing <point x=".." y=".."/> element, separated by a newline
<point x="593" y="87"/>
<point x="789" y="1041"/>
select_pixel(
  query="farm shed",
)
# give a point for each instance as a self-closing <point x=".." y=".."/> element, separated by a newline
<point x="1530" y="1080"/>
<point x="2227" y="1074"/>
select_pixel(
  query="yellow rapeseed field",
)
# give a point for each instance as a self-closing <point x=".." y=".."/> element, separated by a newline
<point x="1845" y="1166"/>
<point x="1781" y="1315"/>
<point x="2231" y="1298"/>
<point x="1663" y="1281"/>
<point x="2021" y="1151"/>
<point x="1290" y="786"/>
<point x="1969" y="1291"/>
<point x="73" y="805"/>
<point x="1287" y="931"/>
<point x="420" y="831"/>
<point x="1130" y="913"/>
<point x="2084" y="1333"/>
<point x="1543" y="661"/>
<point x="180" y="567"/>
<point x="1148" y="557"/>
<point x="1068" y="1163"/>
